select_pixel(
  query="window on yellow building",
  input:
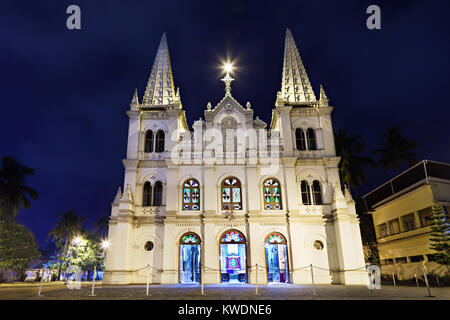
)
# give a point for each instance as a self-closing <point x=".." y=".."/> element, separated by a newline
<point x="401" y="260"/>
<point x="394" y="227"/>
<point x="425" y="216"/>
<point x="382" y="228"/>
<point x="409" y="222"/>
<point x="416" y="258"/>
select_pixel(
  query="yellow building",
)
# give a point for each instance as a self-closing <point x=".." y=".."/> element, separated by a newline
<point x="401" y="210"/>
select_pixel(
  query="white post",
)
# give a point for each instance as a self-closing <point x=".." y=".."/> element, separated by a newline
<point x="393" y="279"/>
<point x="93" y="281"/>
<point x="201" y="278"/>
<point x="426" y="279"/>
<point x="415" y="276"/>
<point x="312" y="280"/>
<point x="148" y="278"/>
<point x="40" y="284"/>
<point x="256" y="278"/>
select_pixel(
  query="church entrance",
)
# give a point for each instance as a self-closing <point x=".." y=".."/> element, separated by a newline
<point x="233" y="258"/>
<point x="276" y="258"/>
<point x="190" y="258"/>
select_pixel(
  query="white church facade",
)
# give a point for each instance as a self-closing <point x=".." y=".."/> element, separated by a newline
<point x="233" y="197"/>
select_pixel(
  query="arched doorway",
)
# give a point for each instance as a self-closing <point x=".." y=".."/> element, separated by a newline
<point x="276" y="258"/>
<point x="189" y="258"/>
<point x="233" y="258"/>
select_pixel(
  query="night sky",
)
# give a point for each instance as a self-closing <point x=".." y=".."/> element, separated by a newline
<point x="64" y="93"/>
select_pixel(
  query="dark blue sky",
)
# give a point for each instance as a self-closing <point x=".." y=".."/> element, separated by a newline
<point x="64" y="93"/>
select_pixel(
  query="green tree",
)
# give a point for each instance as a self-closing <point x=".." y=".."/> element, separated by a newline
<point x="86" y="253"/>
<point x="350" y="149"/>
<point x="440" y="236"/>
<point x="395" y="150"/>
<point x="18" y="247"/>
<point x="65" y="230"/>
<point x="14" y="192"/>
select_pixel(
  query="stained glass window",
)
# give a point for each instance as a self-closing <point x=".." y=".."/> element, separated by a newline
<point x="191" y="195"/>
<point x="231" y="194"/>
<point x="272" y="194"/>
<point x="190" y="238"/>
<point x="232" y="236"/>
<point x="275" y="238"/>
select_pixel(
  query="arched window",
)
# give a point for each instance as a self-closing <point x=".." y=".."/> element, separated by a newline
<point x="272" y="194"/>
<point x="148" y="147"/>
<point x="316" y="192"/>
<point x="191" y="195"/>
<point x="158" y="194"/>
<point x="147" y="195"/>
<point x="300" y="139"/>
<point x="232" y="236"/>
<point x="306" y="198"/>
<point x="190" y="238"/>
<point x="159" y="147"/>
<point x="310" y="134"/>
<point x="275" y="238"/>
<point x="231" y="194"/>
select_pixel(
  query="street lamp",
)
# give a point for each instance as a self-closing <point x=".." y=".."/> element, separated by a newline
<point x="105" y="244"/>
<point x="77" y="240"/>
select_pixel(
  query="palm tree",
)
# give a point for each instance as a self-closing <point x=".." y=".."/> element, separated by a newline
<point x="65" y="230"/>
<point x="14" y="193"/>
<point x="350" y="149"/>
<point x="101" y="226"/>
<point x="395" y="150"/>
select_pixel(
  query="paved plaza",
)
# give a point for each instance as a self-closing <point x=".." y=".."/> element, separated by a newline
<point x="59" y="291"/>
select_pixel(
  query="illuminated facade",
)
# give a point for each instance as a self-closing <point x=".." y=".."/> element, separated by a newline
<point x="214" y="202"/>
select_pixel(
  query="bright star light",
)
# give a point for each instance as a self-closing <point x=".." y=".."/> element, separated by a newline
<point x="105" y="244"/>
<point x="228" y="67"/>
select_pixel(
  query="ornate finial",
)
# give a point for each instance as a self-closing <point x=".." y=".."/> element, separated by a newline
<point x="135" y="101"/>
<point x="117" y="198"/>
<point x="127" y="195"/>
<point x="208" y="106"/>
<point x="323" y="97"/>
<point x="347" y="193"/>
<point x="248" y="105"/>
<point x="227" y="81"/>
<point x="228" y="67"/>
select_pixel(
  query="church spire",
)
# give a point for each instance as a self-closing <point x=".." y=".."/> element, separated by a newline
<point x="160" y="89"/>
<point x="295" y="85"/>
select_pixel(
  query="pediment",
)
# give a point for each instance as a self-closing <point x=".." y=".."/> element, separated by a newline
<point x="229" y="105"/>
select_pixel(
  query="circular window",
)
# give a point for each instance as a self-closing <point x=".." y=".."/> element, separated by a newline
<point x="148" y="246"/>
<point x="318" y="245"/>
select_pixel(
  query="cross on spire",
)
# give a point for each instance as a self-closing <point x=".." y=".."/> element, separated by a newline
<point x="227" y="79"/>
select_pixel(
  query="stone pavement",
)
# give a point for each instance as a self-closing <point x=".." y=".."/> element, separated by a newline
<point x="221" y="292"/>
